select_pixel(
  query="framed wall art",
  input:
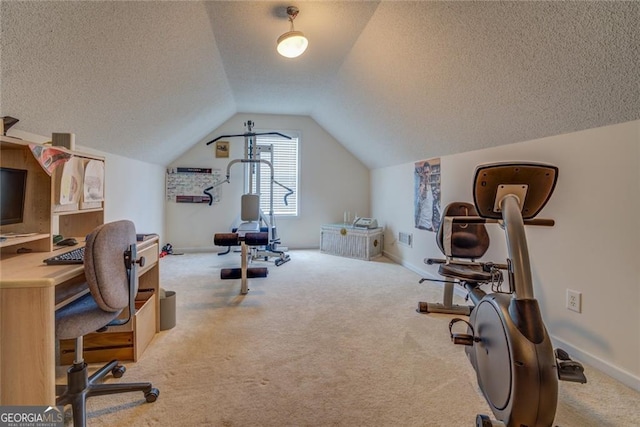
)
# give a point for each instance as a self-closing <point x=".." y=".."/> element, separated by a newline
<point x="222" y="148"/>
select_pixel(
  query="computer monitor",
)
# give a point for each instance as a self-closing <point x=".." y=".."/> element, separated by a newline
<point x="13" y="185"/>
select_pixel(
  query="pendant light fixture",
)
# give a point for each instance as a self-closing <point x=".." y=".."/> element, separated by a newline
<point x="292" y="43"/>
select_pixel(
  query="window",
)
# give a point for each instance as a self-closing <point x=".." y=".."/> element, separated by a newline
<point x="285" y="172"/>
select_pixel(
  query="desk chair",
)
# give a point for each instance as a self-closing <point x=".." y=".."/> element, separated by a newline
<point x="110" y="266"/>
<point x="462" y="244"/>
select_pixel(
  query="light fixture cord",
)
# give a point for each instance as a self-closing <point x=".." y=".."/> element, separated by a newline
<point x="292" y="15"/>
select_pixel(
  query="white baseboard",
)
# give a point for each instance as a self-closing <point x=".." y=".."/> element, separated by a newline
<point x="198" y="249"/>
<point x="626" y="378"/>
<point x="215" y="249"/>
<point x="410" y="266"/>
<point x="458" y="290"/>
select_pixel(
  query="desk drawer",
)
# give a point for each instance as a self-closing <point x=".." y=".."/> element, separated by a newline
<point x="125" y="342"/>
<point x="150" y="255"/>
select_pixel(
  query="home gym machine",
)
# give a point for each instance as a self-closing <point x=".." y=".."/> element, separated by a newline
<point x="506" y="340"/>
<point x="257" y="234"/>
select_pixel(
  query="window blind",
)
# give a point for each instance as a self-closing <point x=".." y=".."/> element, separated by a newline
<point x="285" y="170"/>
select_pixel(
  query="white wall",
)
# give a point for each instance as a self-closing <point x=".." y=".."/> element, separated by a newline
<point x="331" y="181"/>
<point x="135" y="191"/>
<point x="593" y="247"/>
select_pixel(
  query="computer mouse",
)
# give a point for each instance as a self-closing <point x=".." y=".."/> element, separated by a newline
<point x="70" y="241"/>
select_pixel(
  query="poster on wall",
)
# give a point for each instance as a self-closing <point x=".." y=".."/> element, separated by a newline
<point x="188" y="185"/>
<point x="222" y="148"/>
<point x="427" y="207"/>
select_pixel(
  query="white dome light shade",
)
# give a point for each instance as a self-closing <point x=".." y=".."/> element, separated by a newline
<point x="292" y="44"/>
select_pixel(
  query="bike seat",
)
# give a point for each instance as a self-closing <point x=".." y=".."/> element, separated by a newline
<point x="467" y="272"/>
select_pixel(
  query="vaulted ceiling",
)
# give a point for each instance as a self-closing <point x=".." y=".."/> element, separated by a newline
<point x="392" y="81"/>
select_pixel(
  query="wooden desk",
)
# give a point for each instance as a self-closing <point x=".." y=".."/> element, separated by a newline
<point x="27" y="319"/>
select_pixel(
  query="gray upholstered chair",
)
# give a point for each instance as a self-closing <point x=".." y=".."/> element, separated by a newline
<point x="110" y="268"/>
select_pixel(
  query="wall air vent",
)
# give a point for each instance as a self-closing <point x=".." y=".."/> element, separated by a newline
<point x="405" y="239"/>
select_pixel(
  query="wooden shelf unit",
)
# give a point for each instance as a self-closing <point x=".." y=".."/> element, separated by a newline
<point x="42" y="218"/>
<point x="16" y="154"/>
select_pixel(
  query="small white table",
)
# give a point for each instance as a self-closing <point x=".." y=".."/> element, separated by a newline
<point x="351" y="242"/>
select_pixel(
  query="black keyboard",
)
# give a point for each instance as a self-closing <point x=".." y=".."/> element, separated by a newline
<point x="75" y="256"/>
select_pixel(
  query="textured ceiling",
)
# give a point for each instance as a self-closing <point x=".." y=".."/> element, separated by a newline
<point x="263" y="81"/>
<point x="392" y="81"/>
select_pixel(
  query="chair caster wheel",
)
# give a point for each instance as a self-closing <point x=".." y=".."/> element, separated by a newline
<point x="485" y="421"/>
<point x="152" y="395"/>
<point x="118" y="371"/>
<point x="423" y="307"/>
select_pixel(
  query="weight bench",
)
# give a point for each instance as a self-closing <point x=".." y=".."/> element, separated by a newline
<point x="246" y="241"/>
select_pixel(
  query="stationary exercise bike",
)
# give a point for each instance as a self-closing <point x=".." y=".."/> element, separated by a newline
<point x="506" y="339"/>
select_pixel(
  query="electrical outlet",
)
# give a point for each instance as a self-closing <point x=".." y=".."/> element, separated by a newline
<point x="574" y="300"/>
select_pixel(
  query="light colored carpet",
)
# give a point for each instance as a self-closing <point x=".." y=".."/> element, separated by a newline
<point x="322" y="341"/>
